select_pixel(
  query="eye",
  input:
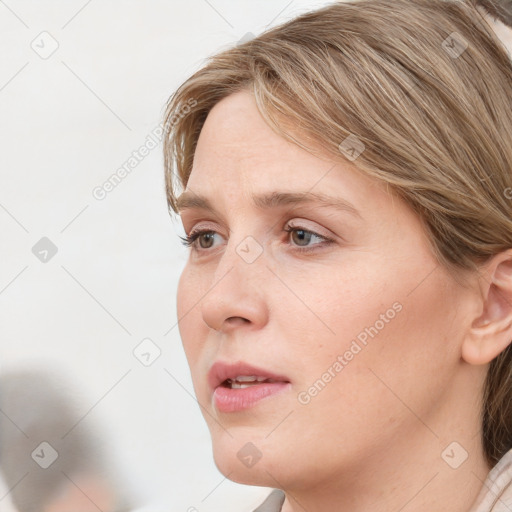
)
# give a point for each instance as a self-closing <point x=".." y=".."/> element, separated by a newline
<point x="200" y="235"/>
<point x="203" y="239"/>
<point x="302" y="237"/>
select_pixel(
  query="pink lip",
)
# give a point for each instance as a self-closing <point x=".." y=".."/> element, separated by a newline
<point x="232" y="400"/>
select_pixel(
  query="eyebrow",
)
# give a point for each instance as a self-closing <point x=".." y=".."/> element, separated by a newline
<point x="272" y="200"/>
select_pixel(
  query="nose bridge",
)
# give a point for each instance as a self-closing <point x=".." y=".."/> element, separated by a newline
<point x="236" y="287"/>
<point x="244" y="257"/>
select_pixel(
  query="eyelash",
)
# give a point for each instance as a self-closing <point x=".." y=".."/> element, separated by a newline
<point x="191" y="240"/>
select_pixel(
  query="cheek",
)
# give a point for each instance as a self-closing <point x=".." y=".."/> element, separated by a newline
<point x="193" y="330"/>
<point x="398" y="347"/>
<point x="376" y="322"/>
<point x="183" y="294"/>
<point x="187" y="309"/>
<point x="334" y="303"/>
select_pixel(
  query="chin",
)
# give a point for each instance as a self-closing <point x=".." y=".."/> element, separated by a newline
<point x="247" y="458"/>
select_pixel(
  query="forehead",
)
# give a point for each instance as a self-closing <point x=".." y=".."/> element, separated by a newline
<point x="235" y="132"/>
<point x="238" y="155"/>
<point x="237" y="147"/>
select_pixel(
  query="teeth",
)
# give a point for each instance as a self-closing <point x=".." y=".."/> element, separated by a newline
<point x="235" y="385"/>
<point x="244" y="381"/>
<point x="246" y="378"/>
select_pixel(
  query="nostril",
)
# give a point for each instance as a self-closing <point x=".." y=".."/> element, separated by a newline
<point x="235" y="319"/>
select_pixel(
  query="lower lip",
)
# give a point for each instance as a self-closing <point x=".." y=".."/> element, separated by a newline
<point x="233" y="400"/>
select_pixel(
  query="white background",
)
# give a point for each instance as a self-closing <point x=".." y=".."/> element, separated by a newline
<point x="67" y="123"/>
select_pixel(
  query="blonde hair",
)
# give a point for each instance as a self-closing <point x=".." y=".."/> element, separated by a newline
<point x="423" y="87"/>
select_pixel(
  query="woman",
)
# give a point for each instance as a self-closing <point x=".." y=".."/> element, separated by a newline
<point x="346" y="309"/>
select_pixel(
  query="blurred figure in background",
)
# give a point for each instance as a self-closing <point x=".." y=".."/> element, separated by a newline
<point x="5" y="497"/>
<point x="50" y="461"/>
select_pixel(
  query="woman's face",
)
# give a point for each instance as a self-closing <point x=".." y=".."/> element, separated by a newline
<point x="349" y="313"/>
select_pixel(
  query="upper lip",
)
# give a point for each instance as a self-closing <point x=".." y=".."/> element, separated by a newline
<point x="220" y="371"/>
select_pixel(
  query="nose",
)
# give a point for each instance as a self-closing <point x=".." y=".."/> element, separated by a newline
<point x="236" y="295"/>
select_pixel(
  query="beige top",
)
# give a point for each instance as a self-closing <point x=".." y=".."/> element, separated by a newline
<point x="495" y="495"/>
<point x="273" y="503"/>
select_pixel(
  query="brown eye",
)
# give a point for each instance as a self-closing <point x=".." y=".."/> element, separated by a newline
<point x="207" y="236"/>
<point x="301" y="237"/>
<point x="195" y="239"/>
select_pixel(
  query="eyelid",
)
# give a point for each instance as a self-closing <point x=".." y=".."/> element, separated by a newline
<point x="212" y="225"/>
<point x="205" y="228"/>
<point x="299" y="224"/>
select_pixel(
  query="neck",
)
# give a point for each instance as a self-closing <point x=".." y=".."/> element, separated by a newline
<point x="422" y="482"/>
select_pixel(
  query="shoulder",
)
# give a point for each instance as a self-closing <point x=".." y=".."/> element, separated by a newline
<point x="497" y="489"/>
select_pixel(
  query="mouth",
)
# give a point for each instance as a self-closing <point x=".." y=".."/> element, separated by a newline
<point x="239" y="386"/>
<point x="246" y="381"/>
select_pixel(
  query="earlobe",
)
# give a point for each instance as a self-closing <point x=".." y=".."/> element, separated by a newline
<point x="491" y="332"/>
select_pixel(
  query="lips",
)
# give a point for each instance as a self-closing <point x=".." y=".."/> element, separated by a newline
<point x="236" y="375"/>
<point x="240" y="386"/>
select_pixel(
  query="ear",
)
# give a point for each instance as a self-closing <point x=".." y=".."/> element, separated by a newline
<point x="491" y="332"/>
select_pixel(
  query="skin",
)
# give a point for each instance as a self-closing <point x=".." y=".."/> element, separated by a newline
<point x="87" y="494"/>
<point x="373" y="437"/>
